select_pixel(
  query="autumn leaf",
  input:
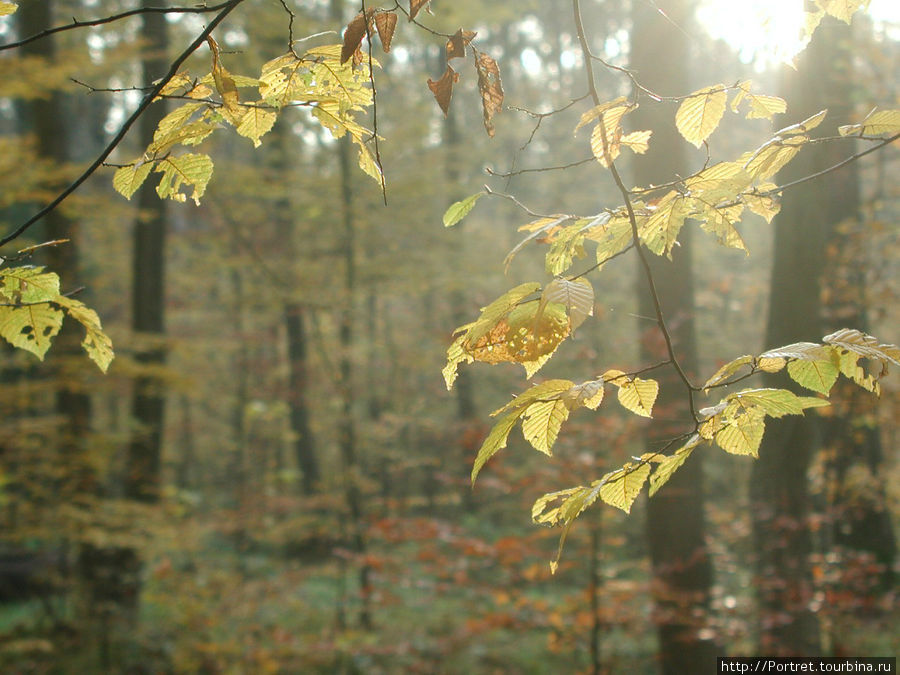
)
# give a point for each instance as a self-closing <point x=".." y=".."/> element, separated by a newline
<point x="876" y="123"/>
<point x="456" y="45"/>
<point x="7" y="8"/>
<point x="700" y="113"/>
<point x="31" y="327"/>
<point x="490" y="88"/>
<point x="415" y="6"/>
<point x="385" y="24"/>
<point x="459" y="210"/>
<point x="443" y="88"/>
<point x="356" y="31"/>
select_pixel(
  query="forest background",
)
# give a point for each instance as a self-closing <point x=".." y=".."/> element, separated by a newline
<point x="272" y="475"/>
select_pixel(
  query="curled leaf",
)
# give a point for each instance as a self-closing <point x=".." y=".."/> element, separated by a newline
<point x="443" y="88"/>
<point x="490" y="88"/>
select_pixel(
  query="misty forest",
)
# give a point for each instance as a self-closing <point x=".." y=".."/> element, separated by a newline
<point x="447" y="337"/>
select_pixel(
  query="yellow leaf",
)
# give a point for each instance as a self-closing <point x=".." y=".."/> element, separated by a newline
<point x="766" y="206"/>
<point x="621" y="487"/>
<point x="576" y="296"/>
<point x="770" y="364"/>
<point x="842" y="9"/>
<point x="28" y="285"/>
<point x="638" y="395"/>
<point x="541" y="423"/>
<point x="876" y="123"/>
<point x="720" y="221"/>
<point x="743" y="434"/>
<point x="700" y="114"/>
<point x="728" y="370"/>
<point x="7" y="8"/>
<point x="671" y="464"/>
<point x="637" y="141"/>
<point x="595" y="112"/>
<point x="255" y="123"/>
<point x="128" y="179"/>
<point x="609" y="125"/>
<point x="31" y="327"/>
<point x="495" y="441"/>
<point x="96" y="343"/>
<point x="190" y="170"/>
<point x="771" y="157"/>
<point x="806" y="125"/>
<point x="660" y="231"/>
<point x="819" y="376"/>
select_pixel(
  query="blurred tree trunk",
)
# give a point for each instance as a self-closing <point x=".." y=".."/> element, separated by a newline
<point x="347" y="437"/>
<point x="142" y="480"/>
<point x="51" y="129"/>
<point x="809" y="213"/>
<point x="859" y="518"/>
<point x="675" y="516"/>
<point x="466" y="412"/>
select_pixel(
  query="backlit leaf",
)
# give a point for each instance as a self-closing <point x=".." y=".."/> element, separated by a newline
<point x="443" y="88"/>
<point x="771" y="157"/>
<point x="588" y="394"/>
<point x="456" y="45"/>
<point x="876" y="123"/>
<point x="621" y="487"/>
<point x="541" y="423"/>
<point x="255" y="123"/>
<point x="766" y="206"/>
<point x="547" y="390"/>
<point x="842" y="9"/>
<point x="459" y="210"/>
<point x="806" y="125"/>
<point x="495" y="441"/>
<point x="864" y="345"/>
<point x="638" y="395"/>
<point x="819" y="376"/>
<point x="186" y="170"/>
<point x="743" y="435"/>
<point x="576" y="296"/>
<point x="660" y="231"/>
<point x="96" y="343"/>
<point x="28" y="285"/>
<point x="31" y="327"/>
<point x="499" y="308"/>
<point x="128" y="179"/>
<point x="7" y="8"/>
<point x="773" y="402"/>
<point x="671" y="464"/>
<point x="728" y="370"/>
<point x="700" y="114"/>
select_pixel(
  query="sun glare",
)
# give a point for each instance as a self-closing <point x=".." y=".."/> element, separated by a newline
<point x="767" y="32"/>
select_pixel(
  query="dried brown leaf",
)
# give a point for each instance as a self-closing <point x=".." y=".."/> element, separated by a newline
<point x="385" y="23"/>
<point x="415" y="6"/>
<point x="490" y="87"/>
<point x="356" y="31"/>
<point x="443" y="88"/>
<point x="456" y="45"/>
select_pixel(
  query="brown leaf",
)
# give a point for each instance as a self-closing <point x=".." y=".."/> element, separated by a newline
<point x="415" y="6"/>
<point x="456" y="45"/>
<point x="385" y="22"/>
<point x="490" y="87"/>
<point x="443" y="88"/>
<point x="353" y="36"/>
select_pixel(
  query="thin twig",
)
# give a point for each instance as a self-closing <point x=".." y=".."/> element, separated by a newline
<point x="645" y="263"/>
<point x="200" y="9"/>
<point x="148" y="99"/>
<point x="374" y="105"/>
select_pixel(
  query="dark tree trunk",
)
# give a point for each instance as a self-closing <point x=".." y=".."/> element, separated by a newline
<point x="779" y="490"/>
<point x="675" y="517"/>
<point x="298" y="362"/>
<point x="144" y="458"/>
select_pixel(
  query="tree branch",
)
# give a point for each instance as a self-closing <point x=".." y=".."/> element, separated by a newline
<point x="200" y="9"/>
<point x="226" y="9"/>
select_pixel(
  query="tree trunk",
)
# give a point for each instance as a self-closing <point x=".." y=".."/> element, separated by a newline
<point x="809" y="212"/>
<point x="144" y="458"/>
<point x="676" y="526"/>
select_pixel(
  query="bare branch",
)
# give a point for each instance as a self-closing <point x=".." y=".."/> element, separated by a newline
<point x="199" y="9"/>
<point x="226" y="9"/>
